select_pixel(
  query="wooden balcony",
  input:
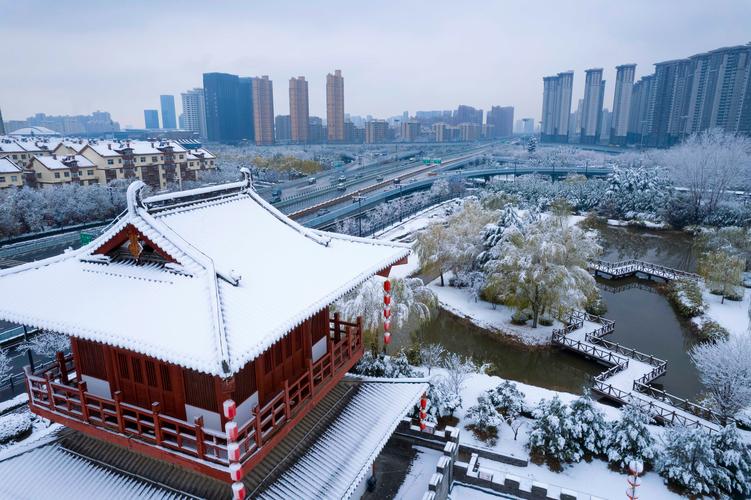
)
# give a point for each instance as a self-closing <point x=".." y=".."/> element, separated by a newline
<point x="57" y="393"/>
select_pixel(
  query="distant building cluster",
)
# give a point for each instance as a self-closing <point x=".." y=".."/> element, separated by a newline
<point x="681" y="97"/>
<point x="97" y="123"/>
<point x="53" y="161"/>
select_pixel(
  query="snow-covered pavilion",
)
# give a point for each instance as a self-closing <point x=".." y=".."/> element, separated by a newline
<point x="187" y="300"/>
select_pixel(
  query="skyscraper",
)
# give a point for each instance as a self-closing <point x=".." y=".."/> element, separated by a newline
<point x="222" y="105"/>
<point x="245" y="117"/>
<point x="624" y="85"/>
<point x="169" y="117"/>
<point x="151" y="118"/>
<point x="502" y="120"/>
<point x="467" y="114"/>
<point x="672" y="88"/>
<point x="2" y="124"/>
<point x="282" y="128"/>
<point x="194" y="111"/>
<point x="594" y="92"/>
<point x="556" y="106"/>
<point x="528" y="126"/>
<point x="642" y="108"/>
<point x="263" y="110"/>
<point x="335" y="106"/>
<point x="298" y="110"/>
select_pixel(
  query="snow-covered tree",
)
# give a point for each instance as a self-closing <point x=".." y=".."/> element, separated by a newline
<point x="47" y="343"/>
<point x="638" y="191"/>
<point x="725" y="371"/>
<point x="458" y="370"/>
<point x="5" y="367"/>
<point x="410" y="298"/>
<point x="733" y="458"/>
<point x="431" y="355"/>
<point x="544" y="266"/>
<point x="587" y="428"/>
<point x="384" y="366"/>
<point x="440" y="188"/>
<point x="454" y="244"/>
<point x="484" y="415"/>
<point x="708" y="164"/>
<point x="507" y="399"/>
<point x="443" y="400"/>
<point x="722" y="271"/>
<point x="687" y="460"/>
<point x="549" y="435"/>
<point x="630" y="438"/>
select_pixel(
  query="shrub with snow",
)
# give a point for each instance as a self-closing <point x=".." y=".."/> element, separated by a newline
<point x="685" y="295"/>
<point x="733" y="457"/>
<point x="431" y="355"/>
<point x="587" y="428"/>
<point x="47" y="343"/>
<point x="443" y="400"/>
<point x="688" y="461"/>
<point x="458" y="370"/>
<point x="381" y="365"/>
<point x="14" y="426"/>
<point x="549" y="436"/>
<point x="507" y="399"/>
<point x="630" y="438"/>
<point x="485" y="419"/>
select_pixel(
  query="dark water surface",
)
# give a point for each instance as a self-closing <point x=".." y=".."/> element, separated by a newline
<point x="644" y="318"/>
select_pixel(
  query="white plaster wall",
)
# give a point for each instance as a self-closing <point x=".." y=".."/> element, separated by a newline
<point x="319" y="349"/>
<point x="245" y="409"/>
<point x="97" y="386"/>
<point x="211" y="419"/>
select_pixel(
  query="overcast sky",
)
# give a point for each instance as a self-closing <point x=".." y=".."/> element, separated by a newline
<point x="71" y="57"/>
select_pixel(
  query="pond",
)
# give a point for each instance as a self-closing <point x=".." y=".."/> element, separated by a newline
<point x="644" y="318"/>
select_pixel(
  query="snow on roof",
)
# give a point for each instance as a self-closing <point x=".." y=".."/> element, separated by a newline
<point x="244" y="276"/>
<point x="57" y="163"/>
<point x="34" y="131"/>
<point x="50" y="471"/>
<point x="8" y="167"/>
<point x="106" y="149"/>
<point x="337" y="462"/>
<point x="8" y="146"/>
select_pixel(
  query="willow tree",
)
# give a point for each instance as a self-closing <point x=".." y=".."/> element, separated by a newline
<point x="722" y="271"/>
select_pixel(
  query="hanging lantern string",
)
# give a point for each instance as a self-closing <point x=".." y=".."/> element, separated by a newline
<point x="386" y="312"/>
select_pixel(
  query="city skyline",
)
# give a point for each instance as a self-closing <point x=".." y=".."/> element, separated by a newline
<point x="381" y="79"/>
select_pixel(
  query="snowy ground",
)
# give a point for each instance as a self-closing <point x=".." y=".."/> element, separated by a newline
<point x="732" y="316"/>
<point x="418" y="477"/>
<point x="41" y="430"/>
<point x="460" y="302"/>
<point x="591" y="478"/>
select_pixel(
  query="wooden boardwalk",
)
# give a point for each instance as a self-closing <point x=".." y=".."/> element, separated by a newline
<point x="627" y="268"/>
<point x="630" y="373"/>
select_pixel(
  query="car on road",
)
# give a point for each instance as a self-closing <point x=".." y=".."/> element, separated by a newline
<point x="311" y="180"/>
<point x="397" y="181"/>
<point x="379" y="178"/>
<point x="341" y="187"/>
<point x="322" y="211"/>
<point x="342" y="178"/>
<point x="276" y="195"/>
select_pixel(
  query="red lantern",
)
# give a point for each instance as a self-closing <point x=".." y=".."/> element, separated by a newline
<point x="423" y="415"/>
<point x="230" y="428"/>
<point x="386" y="325"/>
<point x="387" y="338"/>
<point x="387" y="312"/>
<point x="230" y="409"/>
<point x="235" y="471"/>
<point x="387" y="286"/>
<point x="423" y="402"/>
<point x="422" y="425"/>
<point x="233" y="452"/>
<point x="387" y="299"/>
<point x="238" y="491"/>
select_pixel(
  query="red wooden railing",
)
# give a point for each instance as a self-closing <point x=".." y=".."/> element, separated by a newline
<point x="53" y="388"/>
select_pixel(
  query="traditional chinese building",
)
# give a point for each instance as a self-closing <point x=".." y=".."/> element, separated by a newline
<point x="190" y="299"/>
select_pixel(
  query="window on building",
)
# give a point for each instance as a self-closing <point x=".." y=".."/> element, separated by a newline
<point x="23" y="157"/>
<point x="66" y="174"/>
<point x="211" y="162"/>
<point x="15" y="157"/>
<point x="13" y="178"/>
<point x="39" y="175"/>
<point x="57" y="175"/>
<point x="182" y="157"/>
<point x="110" y="162"/>
<point x="153" y="158"/>
<point x="2" y="179"/>
<point x="119" y="160"/>
<point x="143" y="159"/>
<point x="89" y="172"/>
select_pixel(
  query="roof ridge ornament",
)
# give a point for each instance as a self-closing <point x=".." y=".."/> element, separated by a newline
<point x="133" y="196"/>
<point x="247" y="177"/>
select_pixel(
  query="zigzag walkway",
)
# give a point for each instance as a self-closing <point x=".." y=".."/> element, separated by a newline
<point x="630" y="373"/>
<point x="626" y="268"/>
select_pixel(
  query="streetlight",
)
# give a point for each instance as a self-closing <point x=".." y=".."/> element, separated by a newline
<point x="359" y="199"/>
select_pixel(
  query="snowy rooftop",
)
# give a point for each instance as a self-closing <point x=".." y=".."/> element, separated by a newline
<point x="241" y="275"/>
<point x="58" y="163"/>
<point x="8" y="167"/>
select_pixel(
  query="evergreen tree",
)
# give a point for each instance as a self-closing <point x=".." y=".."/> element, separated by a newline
<point x="630" y="438"/>
<point x="484" y="413"/>
<point x="507" y="399"/>
<point x="549" y="436"/>
<point x="588" y="428"/>
<point x="688" y="461"/>
<point x="733" y="458"/>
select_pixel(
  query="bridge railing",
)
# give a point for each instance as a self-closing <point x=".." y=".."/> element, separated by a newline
<point x="631" y="266"/>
